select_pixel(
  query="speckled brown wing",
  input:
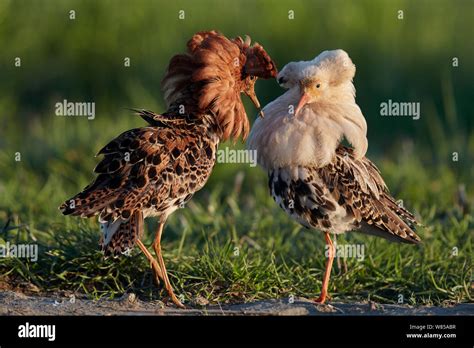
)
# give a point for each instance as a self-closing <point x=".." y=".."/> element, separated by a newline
<point x="347" y="194"/>
<point x="151" y="169"/>
<point x="359" y="188"/>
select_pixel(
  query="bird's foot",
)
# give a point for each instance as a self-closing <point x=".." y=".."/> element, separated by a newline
<point x="322" y="298"/>
<point x="176" y="301"/>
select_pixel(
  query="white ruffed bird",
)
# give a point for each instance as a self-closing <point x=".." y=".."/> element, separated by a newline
<point x="320" y="183"/>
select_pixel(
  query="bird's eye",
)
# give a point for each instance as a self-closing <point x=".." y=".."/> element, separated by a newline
<point x="252" y="77"/>
<point x="318" y="85"/>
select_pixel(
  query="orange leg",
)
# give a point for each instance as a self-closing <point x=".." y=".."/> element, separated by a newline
<point x="161" y="262"/>
<point x="154" y="264"/>
<point x="324" y="292"/>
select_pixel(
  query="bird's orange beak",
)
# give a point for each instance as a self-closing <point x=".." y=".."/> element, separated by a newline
<point x="303" y="101"/>
<point x="253" y="97"/>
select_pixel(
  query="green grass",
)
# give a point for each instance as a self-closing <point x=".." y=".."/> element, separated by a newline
<point x="231" y="243"/>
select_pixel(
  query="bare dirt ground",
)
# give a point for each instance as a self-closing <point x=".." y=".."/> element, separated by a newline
<point x="17" y="303"/>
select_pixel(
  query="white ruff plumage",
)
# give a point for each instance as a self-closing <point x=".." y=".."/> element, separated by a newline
<point x="310" y="138"/>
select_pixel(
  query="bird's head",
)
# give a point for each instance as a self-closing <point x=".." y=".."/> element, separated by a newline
<point x="325" y="79"/>
<point x="254" y="63"/>
<point x="212" y="75"/>
<point x="305" y="125"/>
<point x="227" y="68"/>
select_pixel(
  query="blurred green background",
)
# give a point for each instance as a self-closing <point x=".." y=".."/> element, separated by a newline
<point x="82" y="60"/>
<point x="407" y="59"/>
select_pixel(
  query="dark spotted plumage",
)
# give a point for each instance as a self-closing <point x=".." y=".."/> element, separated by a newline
<point x="347" y="194"/>
<point x="151" y="171"/>
<point x="125" y="237"/>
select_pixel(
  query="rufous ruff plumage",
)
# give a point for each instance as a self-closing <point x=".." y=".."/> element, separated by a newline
<point x="153" y="170"/>
<point x="320" y="183"/>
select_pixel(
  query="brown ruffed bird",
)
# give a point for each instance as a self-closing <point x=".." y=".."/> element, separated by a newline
<point x="320" y="183"/>
<point x="153" y="170"/>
